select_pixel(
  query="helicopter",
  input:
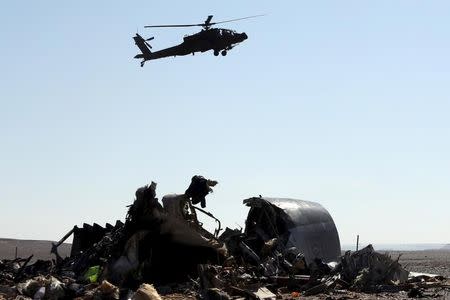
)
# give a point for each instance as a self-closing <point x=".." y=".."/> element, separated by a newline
<point x="219" y="40"/>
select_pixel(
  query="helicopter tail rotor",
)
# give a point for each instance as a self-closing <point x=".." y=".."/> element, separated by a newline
<point x="149" y="39"/>
<point x="144" y="46"/>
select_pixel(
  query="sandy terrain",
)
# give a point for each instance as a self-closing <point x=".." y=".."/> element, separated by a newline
<point x="40" y="249"/>
<point x="430" y="261"/>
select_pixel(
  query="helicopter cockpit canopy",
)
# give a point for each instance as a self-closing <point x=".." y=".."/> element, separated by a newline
<point x="227" y="32"/>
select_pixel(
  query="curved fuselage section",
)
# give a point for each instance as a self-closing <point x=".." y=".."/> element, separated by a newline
<point x="303" y="224"/>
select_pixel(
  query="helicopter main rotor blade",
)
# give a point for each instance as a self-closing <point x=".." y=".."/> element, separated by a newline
<point x="177" y="25"/>
<point x="206" y="24"/>
<point x="233" y="20"/>
<point x="208" y="20"/>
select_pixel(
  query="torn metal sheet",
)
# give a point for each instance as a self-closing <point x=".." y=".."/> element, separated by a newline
<point x="418" y="274"/>
<point x="302" y="224"/>
<point x="264" y="294"/>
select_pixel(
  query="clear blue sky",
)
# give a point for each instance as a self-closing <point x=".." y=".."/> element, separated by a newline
<point x="341" y="102"/>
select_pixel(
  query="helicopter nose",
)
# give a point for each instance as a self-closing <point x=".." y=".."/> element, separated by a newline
<point x="244" y="36"/>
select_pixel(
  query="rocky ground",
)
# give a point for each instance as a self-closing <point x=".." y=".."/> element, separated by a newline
<point x="430" y="261"/>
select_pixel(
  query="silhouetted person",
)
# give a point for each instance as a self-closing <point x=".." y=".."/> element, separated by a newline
<point x="199" y="188"/>
<point x="145" y="204"/>
<point x="181" y="205"/>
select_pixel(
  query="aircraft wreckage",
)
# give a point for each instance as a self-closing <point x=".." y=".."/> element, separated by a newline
<point x="288" y="248"/>
<point x="157" y="239"/>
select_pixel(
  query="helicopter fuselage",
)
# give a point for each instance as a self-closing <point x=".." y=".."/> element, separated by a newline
<point x="216" y="39"/>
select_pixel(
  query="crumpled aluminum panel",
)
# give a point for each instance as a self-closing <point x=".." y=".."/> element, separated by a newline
<point x="314" y="232"/>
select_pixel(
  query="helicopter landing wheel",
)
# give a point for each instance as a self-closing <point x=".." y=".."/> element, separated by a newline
<point x="224" y="53"/>
<point x="216" y="52"/>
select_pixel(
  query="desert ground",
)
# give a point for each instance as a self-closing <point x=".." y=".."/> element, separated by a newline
<point x="428" y="261"/>
<point x="25" y="248"/>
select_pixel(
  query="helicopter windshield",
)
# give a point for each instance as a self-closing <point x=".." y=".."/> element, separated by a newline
<point x="223" y="32"/>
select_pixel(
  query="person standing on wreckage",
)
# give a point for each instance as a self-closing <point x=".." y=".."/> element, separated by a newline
<point x="181" y="206"/>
